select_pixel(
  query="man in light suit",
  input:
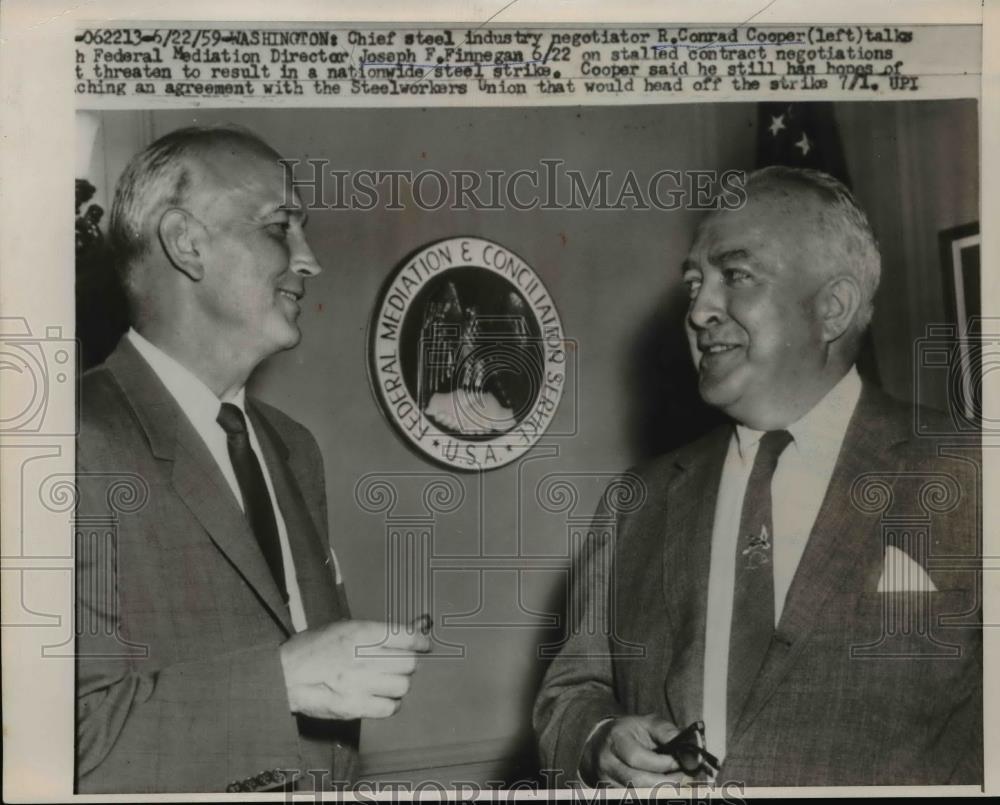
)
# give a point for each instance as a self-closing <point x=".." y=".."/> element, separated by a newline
<point x="804" y="580"/>
<point x="215" y="647"/>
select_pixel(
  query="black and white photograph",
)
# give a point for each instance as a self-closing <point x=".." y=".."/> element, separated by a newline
<point x="472" y="408"/>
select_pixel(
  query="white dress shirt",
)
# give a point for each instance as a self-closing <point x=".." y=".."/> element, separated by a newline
<point x="797" y="490"/>
<point x="201" y="407"/>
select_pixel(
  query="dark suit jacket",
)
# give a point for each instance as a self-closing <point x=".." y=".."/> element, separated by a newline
<point x="859" y="687"/>
<point x="179" y="681"/>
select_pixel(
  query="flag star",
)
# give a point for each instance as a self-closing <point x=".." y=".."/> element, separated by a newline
<point x="777" y="124"/>
<point x="804" y="144"/>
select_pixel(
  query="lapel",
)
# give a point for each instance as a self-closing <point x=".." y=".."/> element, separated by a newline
<point x="195" y="476"/>
<point x="312" y="559"/>
<point x="840" y="545"/>
<point x="687" y="548"/>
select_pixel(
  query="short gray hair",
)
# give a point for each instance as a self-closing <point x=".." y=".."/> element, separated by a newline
<point x="159" y="177"/>
<point x="842" y="221"/>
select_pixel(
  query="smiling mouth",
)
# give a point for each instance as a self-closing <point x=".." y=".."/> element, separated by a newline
<point x="717" y="349"/>
<point x="295" y="297"/>
<point x="717" y="356"/>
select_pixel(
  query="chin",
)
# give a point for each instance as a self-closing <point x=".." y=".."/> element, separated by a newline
<point x="737" y="404"/>
<point x="289" y="337"/>
<point x="719" y="393"/>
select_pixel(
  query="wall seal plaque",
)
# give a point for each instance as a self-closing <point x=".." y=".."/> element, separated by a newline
<point x="467" y="353"/>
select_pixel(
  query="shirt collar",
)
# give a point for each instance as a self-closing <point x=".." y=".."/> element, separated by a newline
<point x="196" y="399"/>
<point x="823" y="427"/>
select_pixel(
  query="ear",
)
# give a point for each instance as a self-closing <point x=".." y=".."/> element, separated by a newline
<point x="183" y="238"/>
<point x="837" y="305"/>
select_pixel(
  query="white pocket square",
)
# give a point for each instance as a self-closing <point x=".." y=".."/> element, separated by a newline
<point x="901" y="574"/>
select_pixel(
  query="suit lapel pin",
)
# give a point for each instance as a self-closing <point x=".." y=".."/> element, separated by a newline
<point x="758" y="549"/>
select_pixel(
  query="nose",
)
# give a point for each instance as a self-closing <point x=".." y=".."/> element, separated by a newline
<point x="303" y="262"/>
<point x="708" y="306"/>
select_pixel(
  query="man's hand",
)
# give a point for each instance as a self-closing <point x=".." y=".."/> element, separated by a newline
<point x="621" y="751"/>
<point x="351" y="669"/>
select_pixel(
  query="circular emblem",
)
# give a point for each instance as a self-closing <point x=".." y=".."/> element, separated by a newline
<point x="467" y="353"/>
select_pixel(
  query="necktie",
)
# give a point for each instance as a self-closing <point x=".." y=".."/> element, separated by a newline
<point x="753" y="598"/>
<point x="256" y="500"/>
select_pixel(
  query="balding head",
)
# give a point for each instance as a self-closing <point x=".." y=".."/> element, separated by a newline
<point x="162" y="176"/>
<point x="210" y="239"/>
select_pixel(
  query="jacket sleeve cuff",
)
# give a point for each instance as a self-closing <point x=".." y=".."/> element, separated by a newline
<point x="577" y="728"/>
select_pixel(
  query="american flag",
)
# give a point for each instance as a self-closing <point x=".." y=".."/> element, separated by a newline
<point x="801" y="135"/>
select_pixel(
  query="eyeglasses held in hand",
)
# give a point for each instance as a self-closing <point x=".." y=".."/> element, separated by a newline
<point x="688" y="748"/>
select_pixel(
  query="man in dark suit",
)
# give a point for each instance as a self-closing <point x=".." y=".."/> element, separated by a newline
<point x="215" y="649"/>
<point x="803" y="580"/>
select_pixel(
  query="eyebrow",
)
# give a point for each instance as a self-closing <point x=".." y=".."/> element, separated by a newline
<point x="291" y="211"/>
<point x="732" y="254"/>
<point x="719" y="257"/>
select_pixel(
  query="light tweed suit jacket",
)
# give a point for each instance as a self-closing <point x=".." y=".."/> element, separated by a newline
<point x="859" y="687"/>
<point x="179" y="621"/>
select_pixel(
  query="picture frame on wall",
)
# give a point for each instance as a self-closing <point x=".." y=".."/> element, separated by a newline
<point x="960" y="267"/>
